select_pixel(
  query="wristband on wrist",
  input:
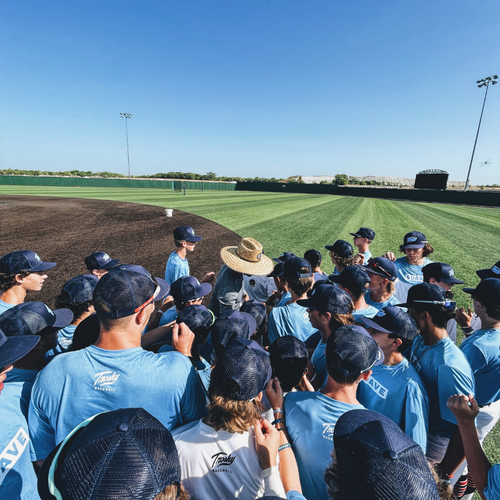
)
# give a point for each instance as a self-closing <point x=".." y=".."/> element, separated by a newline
<point x="283" y="446"/>
<point x="311" y="379"/>
<point x="281" y="428"/>
<point x="278" y="410"/>
<point x="467" y="329"/>
<point x="278" y="421"/>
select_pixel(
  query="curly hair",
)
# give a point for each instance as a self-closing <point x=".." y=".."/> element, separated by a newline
<point x="342" y="261"/>
<point x="427" y="249"/>
<point x="9" y="280"/>
<point x="173" y="492"/>
<point x="230" y="415"/>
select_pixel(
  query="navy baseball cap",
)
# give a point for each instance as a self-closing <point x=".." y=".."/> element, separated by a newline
<point x="296" y="268"/>
<point x="342" y="248"/>
<point x="328" y="298"/>
<point x="277" y="271"/>
<point x="127" y="289"/>
<point x="425" y="293"/>
<point x="289" y="359"/>
<point x="354" y="278"/>
<point x="284" y="257"/>
<point x="125" y="453"/>
<point x="492" y="272"/>
<point x="414" y="240"/>
<point x="364" y="232"/>
<point x="243" y="370"/>
<point x="14" y="348"/>
<point x="352" y="351"/>
<point x="188" y="288"/>
<point x="100" y="260"/>
<point x="313" y="256"/>
<point x="487" y="290"/>
<point x="30" y="318"/>
<point x="186" y="233"/>
<point x="23" y="260"/>
<point x="393" y="320"/>
<point x="257" y="309"/>
<point x="232" y="325"/>
<point x="379" y="461"/>
<point x="196" y="316"/>
<point x="382" y="267"/>
<point x="79" y="289"/>
<point x="440" y="272"/>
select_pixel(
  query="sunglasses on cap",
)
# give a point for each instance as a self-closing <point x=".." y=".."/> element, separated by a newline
<point x="377" y="267"/>
<point x="448" y="305"/>
<point x="153" y="297"/>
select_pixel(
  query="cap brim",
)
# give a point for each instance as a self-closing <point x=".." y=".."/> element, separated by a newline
<point x="206" y="288"/>
<point x="164" y="289"/>
<point x="309" y="303"/>
<point x="329" y="247"/>
<point x="64" y="317"/>
<point x="43" y="266"/>
<point x="194" y="239"/>
<point x="335" y="278"/>
<point x="17" y="347"/>
<point x="420" y="245"/>
<point x="485" y="273"/>
<point x="43" y="476"/>
<point x="470" y="291"/>
<point x="453" y="281"/>
<point x="260" y="268"/>
<point x="371" y="324"/>
<point x="355" y="234"/>
<point x="109" y="265"/>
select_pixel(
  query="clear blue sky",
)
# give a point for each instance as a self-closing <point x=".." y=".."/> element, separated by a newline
<point x="250" y="87"/>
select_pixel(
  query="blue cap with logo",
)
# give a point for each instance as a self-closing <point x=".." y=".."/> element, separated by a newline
<point x="342" y="248"/>
<point x="364" y="232"/>
<point x="328" y="298"/>
<point x="393" y="320"/>
<point x="440" y="272"/>
<point x="186" y="233"/>
<point x="79" y="289"/>
<point x="492" y="272"/>
<point x="100" y="260"/>
<point x="127" y="289"/>
<point x="414" y="240"/>
<point x="23" y="260"/>
<point x="354" y="278"/>
<point x="188" y="288"/>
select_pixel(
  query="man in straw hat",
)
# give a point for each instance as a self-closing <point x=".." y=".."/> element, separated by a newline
<point x="247" y="258"/>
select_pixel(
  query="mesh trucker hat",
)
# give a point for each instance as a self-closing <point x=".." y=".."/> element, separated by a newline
<point x="328" y="298"/>
<point x="296" y="268"/>
<point x="100" y="260"/>
<point x="127" y="289"/>
<point x="116" y="455"/>
<point x="231" y="325"/>
<point x="189" y="288"/>
<point x="30" y="318"/>
<point x="425" y="293"/>
<point x="24" y="260"/>
<point x="342" y="248"/>
<point x="243" y="370"/>
<point x="289" y="359"/>
<point x="186" y="233"/>
<point x="440" y="272"/>
<point x="284" y="257"/>
<point x="414" y="240"/>
<point x="487" y="290"/>
<point x="14" y="348"/>
<point x="393" y="320"/>
<point x="79" y="289"/>
<point x="382" y="267"/>
<point x="257" y="309"/>
<point x="364" y="232"/>
<point x="354" y="278"/>
<point x="492" y="272"/>
<point x="196" y="316"/>
<point x="379" y="461"/>
<point x="352" y="351"/>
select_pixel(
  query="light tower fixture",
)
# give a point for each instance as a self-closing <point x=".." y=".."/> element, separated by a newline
<point x="485" y="82"/>
<point x="127" y="116"/>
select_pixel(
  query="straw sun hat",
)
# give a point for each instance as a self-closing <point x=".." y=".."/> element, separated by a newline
<point x="247" y="258"/>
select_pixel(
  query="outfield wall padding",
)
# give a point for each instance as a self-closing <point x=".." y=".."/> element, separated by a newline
<point x="25" y="180"/>
<point x="480" y="198"/>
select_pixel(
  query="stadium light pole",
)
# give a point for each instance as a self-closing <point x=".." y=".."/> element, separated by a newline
<point x="485" y="82"/>
<point x="127" y="116"/>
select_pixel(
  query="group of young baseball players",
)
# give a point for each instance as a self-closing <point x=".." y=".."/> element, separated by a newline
<point x="291" y="383"/>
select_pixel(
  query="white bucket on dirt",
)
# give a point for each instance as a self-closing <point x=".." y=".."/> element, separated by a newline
<point x="168" y="212"/>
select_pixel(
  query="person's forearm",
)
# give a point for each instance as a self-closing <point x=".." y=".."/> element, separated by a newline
<point x="289" y="472"/>
<point x="477" y="462"/>
<point x="454" y="455"/>
<point x="156" y="335"/>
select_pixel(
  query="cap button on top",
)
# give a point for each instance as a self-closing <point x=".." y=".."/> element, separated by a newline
<point x="390" y="454"/>
<point x="123" y="427"/>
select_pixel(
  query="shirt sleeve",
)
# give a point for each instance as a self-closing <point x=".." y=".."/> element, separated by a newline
<point x="272" y="482"/>
<point x="452" y="381"/>
<point x="272" y="328"/>
<point x="417" y="415"/>
<point x="474" y="356"/>
<point x="193" y="403"/>
<point x="295" y="495"/>
<point x="492" y="490"/>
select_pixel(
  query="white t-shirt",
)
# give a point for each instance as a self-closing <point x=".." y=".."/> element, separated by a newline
<point x="219" y="465"/>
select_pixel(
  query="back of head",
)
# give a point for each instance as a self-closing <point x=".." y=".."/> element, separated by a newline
<point x="232" y="325"/>
<point x="313" y="257"/>
<point x="257" y="309"/>
<point x="122" y="454"/>
<point x="289" y="359"/>
<point x="354" y="278"/>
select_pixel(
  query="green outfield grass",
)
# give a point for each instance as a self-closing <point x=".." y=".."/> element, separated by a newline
<point x="465" y="237"/>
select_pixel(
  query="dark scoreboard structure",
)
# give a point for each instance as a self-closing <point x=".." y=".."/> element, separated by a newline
<point x="431" y="179"/>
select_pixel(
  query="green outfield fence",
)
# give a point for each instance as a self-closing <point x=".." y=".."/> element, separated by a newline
<point x="25" y="180"/>
<point x="480" y="198"/>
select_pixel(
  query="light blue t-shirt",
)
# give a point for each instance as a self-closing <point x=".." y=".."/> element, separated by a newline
<point x="392" y="300"/>
<point x="4" y="306"/>
<point x="444" y="371"/>
<point x="291" y="319"/>
<point x="17" y="388"/>
<point x="320" y="276"/>
<point x="368" y="255"/>
<point x="64" y="341"/>
<point x="398" y="393"/>
<point x="408" y="275"/>
<point x="482" y="352"/>
<point x="17" y="476"/>
<point x="176" y="268"/>
<point x="78" y="385"/>
<point x="318" y="360"/>
<point x="368" y="312"/>
<point x="310" y="420"/>
<point x="259" y="287"/>
<point x="168" y="316"/>
<point x="284" y="299"/>
<point x="492" y="490"/>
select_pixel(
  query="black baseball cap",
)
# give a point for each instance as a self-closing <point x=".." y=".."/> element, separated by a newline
<point x="314" y="257"/>
<point x="440" y="272"/>
<point x="277" y="271"/>
<point x="328" y="298"/>
<point x="289" y="359"/>
<point x="342" y="248"/>
<point x="186" y="233"/>
<point x="492" y="272"/>
<point x="23" y="260"/>
<point x="354" y="278"/>
<point x="232" y="325"/>
<point x="284" y="257"/>
<point x="100" y="260"/>
<point x="425" y="293"/>
<point x="487" y="290"/>
<point x="382" y="267"/>
<point x="364" y="232"/>
<point x="293" y="269"/>
<point x="393" y="320"/>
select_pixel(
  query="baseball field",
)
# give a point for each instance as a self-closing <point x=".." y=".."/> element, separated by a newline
<point x="465" y="237"/>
